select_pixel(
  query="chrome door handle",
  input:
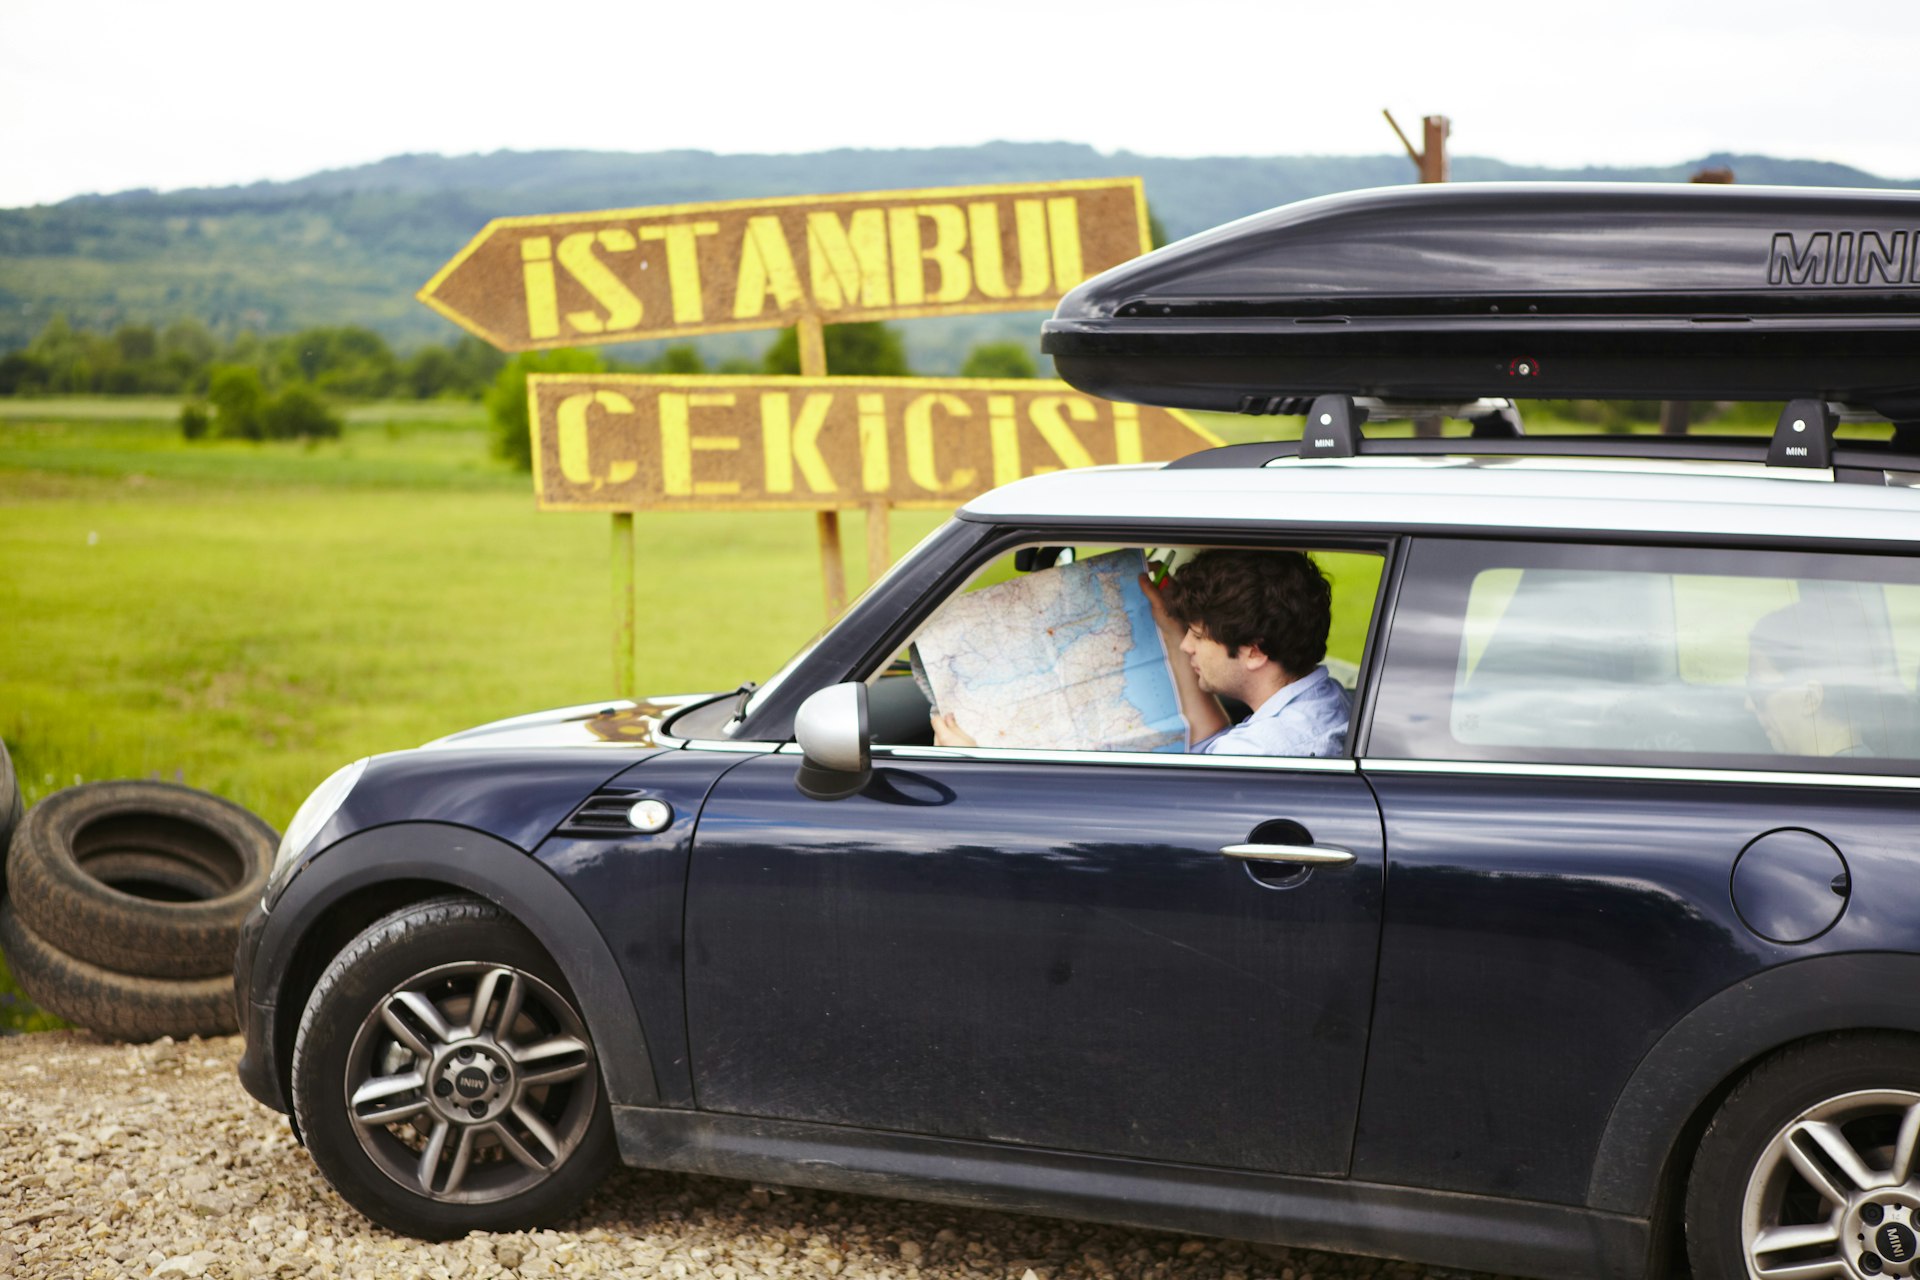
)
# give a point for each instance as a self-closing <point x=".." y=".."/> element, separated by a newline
<point x="1313" y="855"/>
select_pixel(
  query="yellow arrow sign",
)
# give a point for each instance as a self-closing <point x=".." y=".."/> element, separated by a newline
<point x="678" y="270"/>
<point x="644" y="442"/>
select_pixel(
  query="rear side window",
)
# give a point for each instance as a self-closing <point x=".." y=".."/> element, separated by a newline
<point x="1653" y="656"/>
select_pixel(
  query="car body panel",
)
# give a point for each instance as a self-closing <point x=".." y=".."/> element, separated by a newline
<point x="1541" y="934"/>
<point x="1044" y="954"/>
<point x="434" y="856"/>
<point x="1481" y="1233"/>
<point x="518" y="795"/>
<point x="632" y="886"/>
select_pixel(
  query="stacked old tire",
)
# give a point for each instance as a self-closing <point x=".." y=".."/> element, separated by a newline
<point x="124" y="902"/>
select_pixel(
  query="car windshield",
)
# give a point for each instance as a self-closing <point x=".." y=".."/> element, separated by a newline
<point x="779" y="677"/>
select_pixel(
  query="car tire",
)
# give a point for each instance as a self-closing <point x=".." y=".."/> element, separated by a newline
<point x="145" y="878"/>
<point x="116" y="1006"/>
<point x="433" y="1121"/>
<point x="1797" y="1167"/>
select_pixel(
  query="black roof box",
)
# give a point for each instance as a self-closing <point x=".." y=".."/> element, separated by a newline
<point x="1517" y="289"/>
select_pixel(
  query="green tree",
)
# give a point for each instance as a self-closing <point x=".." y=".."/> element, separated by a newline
<point x="137" y="343"/>
<point x="478" y="364"/>
<point x="187" y="344"/>
<point x="299" y="412"/>
<point x="70" y="356"/>
<point x="869" y="349"/>
<point x="1156" y="231"/>
<point x="239" y="400"/>
<point x="683" y="358"/>
<point x="346" y="360"/>
<point x="23" y="374"/>
<point x="507" y="398"/>
<point x="999" y="360"/>
<point x="431" y="371"/>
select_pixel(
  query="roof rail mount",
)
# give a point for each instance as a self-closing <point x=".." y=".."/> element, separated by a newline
<point x="1333" y="428"/>
<point x="1804" y="435"/>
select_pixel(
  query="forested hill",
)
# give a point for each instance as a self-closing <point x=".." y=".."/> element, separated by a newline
<point x="350" y="246"/>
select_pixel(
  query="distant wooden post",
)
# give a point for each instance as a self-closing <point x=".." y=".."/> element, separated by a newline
<point x="1431" y="162"/>
<point x="1676" y="414"/>
<point x="623" y="604"/>
<point x="812" y="334"/>
<point x="1433" y="157"/>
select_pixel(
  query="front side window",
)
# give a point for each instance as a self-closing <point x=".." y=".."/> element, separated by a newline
<point x="1653" y="656"/>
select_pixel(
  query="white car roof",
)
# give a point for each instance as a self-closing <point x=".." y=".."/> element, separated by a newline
<point x="1733" y="499"/>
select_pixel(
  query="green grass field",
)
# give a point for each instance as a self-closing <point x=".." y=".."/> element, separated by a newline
<point x="247" y="617"/>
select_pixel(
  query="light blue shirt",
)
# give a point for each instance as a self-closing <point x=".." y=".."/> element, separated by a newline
<point x="1306" y="718"/>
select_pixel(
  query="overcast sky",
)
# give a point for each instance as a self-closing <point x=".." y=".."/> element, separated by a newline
<point x="105" y="97"/>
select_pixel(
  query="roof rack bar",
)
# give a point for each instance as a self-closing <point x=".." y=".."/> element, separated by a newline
<point x="1804" y="435"/>
<point x="1868" y="454"/>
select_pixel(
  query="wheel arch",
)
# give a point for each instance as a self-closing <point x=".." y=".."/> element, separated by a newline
<point x="369" y="874"/>
<point x="1665" y="1104"/>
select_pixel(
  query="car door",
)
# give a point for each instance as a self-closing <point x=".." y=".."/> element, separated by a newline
<point x="1042" y="948"/>
<point x="1591" y="833"/>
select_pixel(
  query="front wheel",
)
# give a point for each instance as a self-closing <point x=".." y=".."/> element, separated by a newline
<point x="1809" y="1168"/>
<point x="444" y="1079"/>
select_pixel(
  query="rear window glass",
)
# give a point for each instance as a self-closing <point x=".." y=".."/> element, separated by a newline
<point x="1653" y="656"/>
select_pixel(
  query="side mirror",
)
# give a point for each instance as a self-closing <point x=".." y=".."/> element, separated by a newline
<point x="835" y="735"/>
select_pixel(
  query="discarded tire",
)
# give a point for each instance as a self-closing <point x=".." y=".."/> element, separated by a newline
<point x="9" y="809"/>
<point x="147" y="879"/>
<point x="116" y="1005"/>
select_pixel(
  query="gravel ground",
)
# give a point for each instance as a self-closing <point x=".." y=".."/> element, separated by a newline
<point x="151" y="1161"/>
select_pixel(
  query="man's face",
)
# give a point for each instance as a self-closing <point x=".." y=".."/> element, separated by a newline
<point x="1786" y="709"/>
<point x="1219" y="672"/>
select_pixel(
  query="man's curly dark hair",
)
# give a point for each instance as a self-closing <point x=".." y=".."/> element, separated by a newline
<point x="1278" y="600"/>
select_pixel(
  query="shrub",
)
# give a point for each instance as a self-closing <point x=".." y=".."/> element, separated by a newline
<point x="507" y="399"/>
<point x="239" y="401"/>
<point x="194" y="420"/>
<point x="300" y="412"/>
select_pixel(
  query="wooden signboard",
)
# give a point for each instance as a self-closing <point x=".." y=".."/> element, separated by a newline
<point x="673" y="271"/>
<point x="633" y="442"/>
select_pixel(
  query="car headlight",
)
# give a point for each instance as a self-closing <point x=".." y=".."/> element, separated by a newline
<point x="311" y="816"/>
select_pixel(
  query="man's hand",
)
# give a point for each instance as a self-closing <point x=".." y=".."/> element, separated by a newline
<point x="1200" y="709"/>
<point x="1171" y="630"/>
<point x="948" y="733"/>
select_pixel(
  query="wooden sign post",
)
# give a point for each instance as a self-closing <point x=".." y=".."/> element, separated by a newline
<point x="1432" y="163"/>
<point x="674" y="271"/>
<point x="811" y="337"/>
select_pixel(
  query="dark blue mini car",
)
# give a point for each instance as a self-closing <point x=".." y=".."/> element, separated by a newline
<point x="1599" y="936"/>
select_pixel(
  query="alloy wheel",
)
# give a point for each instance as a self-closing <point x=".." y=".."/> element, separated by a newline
<point x="1835" y="1193"/>
<point x="470" y="1082"/>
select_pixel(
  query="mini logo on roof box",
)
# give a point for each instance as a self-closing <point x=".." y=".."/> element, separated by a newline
<point x="1843" y="257"/>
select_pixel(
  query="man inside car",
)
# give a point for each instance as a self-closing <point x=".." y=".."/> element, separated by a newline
<point x="1251" y="626"/>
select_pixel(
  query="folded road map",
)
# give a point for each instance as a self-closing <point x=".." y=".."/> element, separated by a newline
<point x="1065" y="658"/>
